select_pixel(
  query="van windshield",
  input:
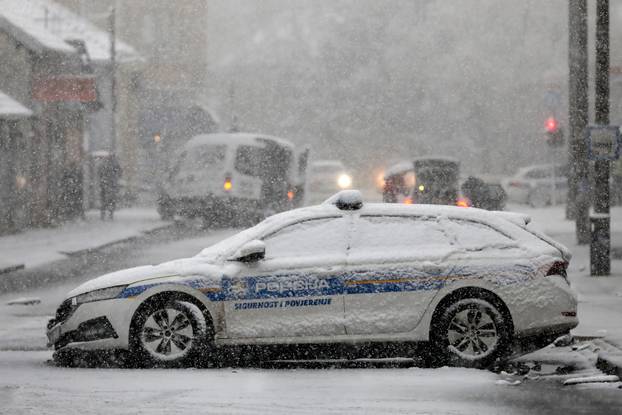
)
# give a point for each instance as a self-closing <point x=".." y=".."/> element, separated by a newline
<point x="202" y="158"/>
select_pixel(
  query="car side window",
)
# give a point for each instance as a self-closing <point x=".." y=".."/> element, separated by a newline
<point x="397" y="235"/>
<point x="313" y="237"/>
<point x="475" y="235"/>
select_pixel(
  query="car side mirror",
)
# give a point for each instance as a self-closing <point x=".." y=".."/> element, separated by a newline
<point x="252" y="251"/>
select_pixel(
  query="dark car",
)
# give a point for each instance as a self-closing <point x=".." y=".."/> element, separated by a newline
<point x="436" y="181"/>
<point x="484" y="193"/>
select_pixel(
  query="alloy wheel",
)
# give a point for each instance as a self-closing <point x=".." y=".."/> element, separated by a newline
<point x="167" y="334"/>
<point x="472" y="333"/>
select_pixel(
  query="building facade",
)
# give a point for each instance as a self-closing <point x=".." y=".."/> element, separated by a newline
<point x="57" y="65"/>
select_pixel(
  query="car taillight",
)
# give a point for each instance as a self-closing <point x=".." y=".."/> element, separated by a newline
<point x="408" y="201"/>
<point x="227" y="185"/>
<point x="558" y="268"/>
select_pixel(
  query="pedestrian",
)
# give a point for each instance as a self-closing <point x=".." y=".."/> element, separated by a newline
<point x="109" y="174"/>
<point x="73" y="198"/>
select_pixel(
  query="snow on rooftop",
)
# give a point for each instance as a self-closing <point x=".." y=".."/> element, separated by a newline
<point x="9" y="108"/>
<point x="44" y="24"/>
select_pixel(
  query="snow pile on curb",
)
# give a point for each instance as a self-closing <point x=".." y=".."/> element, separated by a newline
<point x="610" y="355"/>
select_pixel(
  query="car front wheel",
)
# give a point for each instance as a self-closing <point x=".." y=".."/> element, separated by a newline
<point x="471" y="332"/>
<point x="169" y="334"/>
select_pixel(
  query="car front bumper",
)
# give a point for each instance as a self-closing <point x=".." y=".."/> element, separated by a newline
<point x="95" y="325"/>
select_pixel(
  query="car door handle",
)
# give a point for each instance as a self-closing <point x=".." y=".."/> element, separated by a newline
<point x="433" y="269"/>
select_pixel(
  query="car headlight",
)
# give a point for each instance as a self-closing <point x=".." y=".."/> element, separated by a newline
<point x="98" y="295"/>
<point x="344" y="181"/>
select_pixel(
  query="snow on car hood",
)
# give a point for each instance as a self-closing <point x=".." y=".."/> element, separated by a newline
<point x="130" y="276"/>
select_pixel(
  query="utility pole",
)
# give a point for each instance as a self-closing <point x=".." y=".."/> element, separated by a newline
<point x="113" y="80"/>
<point x="578" y="192"/>
<point x="600" y="261"/>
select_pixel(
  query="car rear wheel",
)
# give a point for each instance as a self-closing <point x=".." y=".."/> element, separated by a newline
<point x="169" y="334"/>
<point x="471" y="332"/>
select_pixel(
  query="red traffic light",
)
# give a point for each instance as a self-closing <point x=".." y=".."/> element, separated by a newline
<point x="551" y="125"/>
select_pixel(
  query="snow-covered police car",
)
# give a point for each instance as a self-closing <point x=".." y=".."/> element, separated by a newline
<point x="471" y="283"/>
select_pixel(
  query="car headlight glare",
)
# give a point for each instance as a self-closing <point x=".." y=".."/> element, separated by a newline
<point x="344" y="181"/>
<point x="98" y="295"/>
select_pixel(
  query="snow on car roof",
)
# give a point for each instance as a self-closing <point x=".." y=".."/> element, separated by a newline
<point x="439" y="158"/>
<point x="45" y="24"/>
<point x="235" y="139"/>
<point x="398" y="168"/>
<point x="328" y="163"/>
<point x="508" y="221"/>
<point x="11" y="109"/>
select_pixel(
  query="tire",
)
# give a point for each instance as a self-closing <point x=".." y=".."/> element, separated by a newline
<point x="470" y="332"/>
<point x="539" y="197"/>
<point x="169" y="334"/>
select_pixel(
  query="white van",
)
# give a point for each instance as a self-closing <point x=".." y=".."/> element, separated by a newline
<point x="233" y="177"/>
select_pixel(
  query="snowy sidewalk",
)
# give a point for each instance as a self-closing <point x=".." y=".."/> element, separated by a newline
<point x="38" y="247"/>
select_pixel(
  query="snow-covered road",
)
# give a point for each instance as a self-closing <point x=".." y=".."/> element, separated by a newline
<point x="29" y="385"/>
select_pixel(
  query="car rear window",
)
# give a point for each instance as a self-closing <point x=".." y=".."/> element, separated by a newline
<point x="472" y="235"/>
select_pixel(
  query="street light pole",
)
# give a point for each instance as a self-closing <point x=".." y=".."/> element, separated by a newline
<point x="578" y="201"/>
<point x="113" y="80"/>
<point x="600" y="261"/>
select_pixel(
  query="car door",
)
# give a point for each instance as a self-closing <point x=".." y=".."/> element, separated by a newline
<point x="395" y="266"/>
<point x="296" y="290"/>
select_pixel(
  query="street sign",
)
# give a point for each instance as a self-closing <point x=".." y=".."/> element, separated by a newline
<point x="603" y="142"/>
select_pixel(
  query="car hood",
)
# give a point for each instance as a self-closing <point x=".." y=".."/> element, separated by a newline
<point x="134" y="275"/>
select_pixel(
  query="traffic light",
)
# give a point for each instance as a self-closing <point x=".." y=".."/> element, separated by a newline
<point x="551" y="125"/>
<point x="554" y="133"/>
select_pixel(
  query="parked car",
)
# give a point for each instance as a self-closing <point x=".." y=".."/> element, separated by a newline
<point x="325" y="178"/>
<point x="228" y="176"/>
<point x="538" y="185"/>
<point x="436" y="181"/>
<point x="484" y="192"/>
<point x="476" y="285"/>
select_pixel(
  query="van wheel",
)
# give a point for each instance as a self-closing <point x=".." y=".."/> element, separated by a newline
<point x="470" y="332"/>
<point x="169" y="334"/>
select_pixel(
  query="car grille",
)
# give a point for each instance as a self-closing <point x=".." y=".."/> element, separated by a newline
<point x="64" y="311"/>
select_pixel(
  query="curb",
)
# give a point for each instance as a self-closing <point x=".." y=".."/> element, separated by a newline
<point x="609" y="358"/>
<point x="11" y="268"/>
<point x="116" y="242"/>
<point x="99" y="247"/>
<point x="91" y="250"/>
